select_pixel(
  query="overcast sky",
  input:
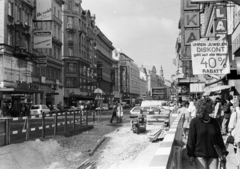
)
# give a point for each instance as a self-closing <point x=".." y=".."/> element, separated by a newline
<point x="145" y="30"/>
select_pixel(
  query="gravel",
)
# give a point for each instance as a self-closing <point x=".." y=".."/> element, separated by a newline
<point x="120" y="146"/>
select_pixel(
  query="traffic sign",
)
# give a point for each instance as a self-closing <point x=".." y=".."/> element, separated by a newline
<point x="210" y="57"/>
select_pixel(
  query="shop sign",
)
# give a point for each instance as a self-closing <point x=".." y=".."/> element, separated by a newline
<point x="191" y="19"/>
<point x="221" y="23"/>
<point x="208" y="1"/>
<point x="188" y="6"/>
<point x="186" y="53"/>
<point x="42" y="39"/>
<point x="210" y="57"/>
<point x="44" y="10"/>
<point x="26" y="86"/>
<point x="191" y="35"/>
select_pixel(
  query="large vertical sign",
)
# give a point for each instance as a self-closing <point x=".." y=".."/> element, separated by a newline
<point x="44" y="10"/>
<point x="123" y="79"/>
<point x="221" y="22"/>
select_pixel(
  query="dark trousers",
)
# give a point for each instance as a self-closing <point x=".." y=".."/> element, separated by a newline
<point x="114" y="114"/>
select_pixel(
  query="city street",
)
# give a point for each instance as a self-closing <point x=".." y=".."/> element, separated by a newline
<point x="36" y="123"/>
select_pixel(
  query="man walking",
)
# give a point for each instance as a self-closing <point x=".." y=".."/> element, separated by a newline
<point x="227" y="114"/>
<point x="114" y="113"/>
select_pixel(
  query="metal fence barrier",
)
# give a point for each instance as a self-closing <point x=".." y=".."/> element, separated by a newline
<point x="77" y="118"/>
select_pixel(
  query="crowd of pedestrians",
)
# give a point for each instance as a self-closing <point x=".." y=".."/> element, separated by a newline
<point x="117" y="112"/>
<point x="205" y="123"/>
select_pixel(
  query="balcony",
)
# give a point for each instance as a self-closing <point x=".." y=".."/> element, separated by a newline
<point x="26" y="27"/>
<point x="71" y="28"/>
<point x="19" y="26"/>
<point x="21" y="52"/>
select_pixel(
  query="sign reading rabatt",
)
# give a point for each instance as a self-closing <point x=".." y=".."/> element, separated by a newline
<point x="210" y="57"/>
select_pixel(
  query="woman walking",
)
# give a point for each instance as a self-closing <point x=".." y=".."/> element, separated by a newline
<point x="204" y="136"/>
<point x="119" y="113"/>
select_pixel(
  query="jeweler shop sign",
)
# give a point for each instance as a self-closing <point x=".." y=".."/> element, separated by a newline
<point x="210" y="57"/>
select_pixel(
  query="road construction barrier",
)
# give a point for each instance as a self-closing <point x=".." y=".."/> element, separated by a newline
<point x="169" y="153"/>
<point x="77" y="118"/>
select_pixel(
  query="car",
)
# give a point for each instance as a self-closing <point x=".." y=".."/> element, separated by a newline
<point x="135" y="111"/>
<point x="39" y="109"/>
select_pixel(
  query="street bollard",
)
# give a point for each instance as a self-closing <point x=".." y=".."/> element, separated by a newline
<point x="55" y="124"/>
<point x="65" y="120"/>
<point x="73" y="120"/>
<point x="27" y="128"/>
<point x="7" y="132"/>
<point x="43" y="125"/>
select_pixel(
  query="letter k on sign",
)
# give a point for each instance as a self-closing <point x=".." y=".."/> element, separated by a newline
<point x="191" y="19"/>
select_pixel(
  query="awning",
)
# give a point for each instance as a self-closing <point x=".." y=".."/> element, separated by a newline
<point x="18" y="91"/>
<point x="217" y="90"/>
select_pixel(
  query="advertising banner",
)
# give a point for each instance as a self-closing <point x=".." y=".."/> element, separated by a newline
<point x="42" y="39"/>
<point x="44" y="10"/>
<point x="210" y="57"/>
<point x="123" y="79"/>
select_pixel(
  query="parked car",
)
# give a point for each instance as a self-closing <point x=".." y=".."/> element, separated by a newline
<point x="146" y="110"/>
<point x="39" y="109"/>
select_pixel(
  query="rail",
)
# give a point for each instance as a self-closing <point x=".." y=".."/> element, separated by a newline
<point x="57" y="119"/>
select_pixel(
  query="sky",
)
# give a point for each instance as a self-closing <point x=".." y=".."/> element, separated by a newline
<point x="144" y="30"/>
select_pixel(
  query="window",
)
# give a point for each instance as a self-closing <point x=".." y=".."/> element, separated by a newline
<point x="80" y="69"/>
<point x="10" y="37"/>
<point x="10" y="8"/>
<point x="26" y="19"/>
<point x="59" y="54"/>
<point x="27" y="45"/>
<point x="59" y="33"/>
<point x="54" y="50"/>
<point x="71" y="82"/>
<point x="55" y="29"/>
<point x="58" y="14"/>
<point x="19" y="14"/>
<point x="48" y="72"/>
<point x="70" y="20"/>
<point x="54" y="11"/>
<point x="70" y="36"/>
<point x="69" y="6"/>
<point x="70" y="50"/>
<point x="71" y="68"/>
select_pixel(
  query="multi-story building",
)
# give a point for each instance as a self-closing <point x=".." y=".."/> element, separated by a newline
<point x="79" y="37"/>
<point x="104" y="50"/>
<point x="129" y="79"/>
<point x="116" y="65"/>
<point x="143" y="83"/>
<point x="49" y="59"/>
<point x="18" y="67"/>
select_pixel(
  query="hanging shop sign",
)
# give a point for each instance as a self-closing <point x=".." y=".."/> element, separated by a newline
<point x="42" y="39"/>
<point x="221" y="23"/>
<point x="210" y="57"/>
<point x="185" y="53"/>
<point x="189" y="6"/>
<point x="191" y="35"/>
<point x="44" y="10"/>
<point x="191" y="19"/>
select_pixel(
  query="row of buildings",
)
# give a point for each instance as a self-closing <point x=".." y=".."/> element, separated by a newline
<point x="50" y="51"/>
<point x="208" y="22"/>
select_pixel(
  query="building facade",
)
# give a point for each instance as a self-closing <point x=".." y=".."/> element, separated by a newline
<point x="79" y="37"/>
<point x="104" y="50"/>
<point x="143" y="83"/>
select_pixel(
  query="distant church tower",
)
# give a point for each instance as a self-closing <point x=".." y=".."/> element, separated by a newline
<point x="161" y="74"/>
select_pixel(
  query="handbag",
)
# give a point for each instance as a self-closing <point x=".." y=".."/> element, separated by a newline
<point x="230" y="139"/>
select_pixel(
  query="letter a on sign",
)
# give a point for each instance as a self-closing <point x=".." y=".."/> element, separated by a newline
<point x="191" y="35"/>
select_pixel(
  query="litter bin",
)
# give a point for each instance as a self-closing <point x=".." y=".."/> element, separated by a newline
<point x="2" y="132"/>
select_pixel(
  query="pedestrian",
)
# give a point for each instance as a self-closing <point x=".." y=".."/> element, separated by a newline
<point x="218" y="111"/>
<point x="192" y="108"/>
<point x="227" y="114"/>
<point x="204" y="136"/>
<point x="234" y="122"/>
<point x="114" y="112"/>
<point x="180" y="108"/>
<point x="119" y="113"/>
<point x="186" y="119"/>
